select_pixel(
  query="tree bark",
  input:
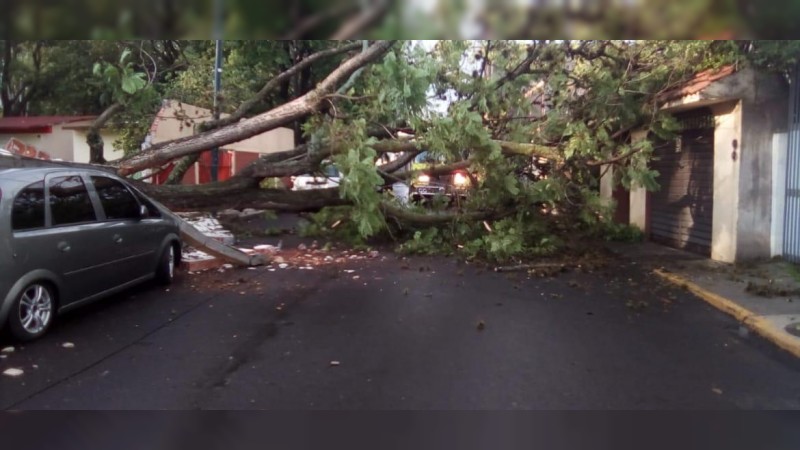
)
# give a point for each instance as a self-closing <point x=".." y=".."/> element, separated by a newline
<point x="93" y="137"/>
<point x="240" y="193"/>
<point x="282" y="115"/>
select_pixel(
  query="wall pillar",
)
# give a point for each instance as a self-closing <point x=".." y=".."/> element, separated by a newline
<point x="727" y="141"/>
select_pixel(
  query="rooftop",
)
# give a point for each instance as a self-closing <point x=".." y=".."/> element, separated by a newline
<point x="37" y="123"/>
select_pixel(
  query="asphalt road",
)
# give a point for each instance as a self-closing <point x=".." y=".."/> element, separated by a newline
<point x="423" y="333"/>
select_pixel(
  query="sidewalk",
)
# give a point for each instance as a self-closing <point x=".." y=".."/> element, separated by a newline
<point x="764" y="296"/>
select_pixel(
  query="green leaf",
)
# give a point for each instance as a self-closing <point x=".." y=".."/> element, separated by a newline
<point x="124" y="55"/>
<point x="133" y="83"/>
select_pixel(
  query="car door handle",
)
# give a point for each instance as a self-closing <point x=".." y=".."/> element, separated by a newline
<point x="118" y="239"/>
<point x="64" y="246"/>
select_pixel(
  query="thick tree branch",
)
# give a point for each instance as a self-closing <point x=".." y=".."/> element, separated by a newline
<point x="274" y="118"/>
<point x="240" y="193"/>
<point x="273" y="83"/>
<point x="407" y="216"/>
<point x="93" y="138"/>
<point x="402" y="160"/>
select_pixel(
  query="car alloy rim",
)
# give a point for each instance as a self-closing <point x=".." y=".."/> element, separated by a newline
<point x="35" y="308"/>
<point x="171" y="263"/>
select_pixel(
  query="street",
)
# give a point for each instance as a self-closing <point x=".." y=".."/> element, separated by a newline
<point x="394" y="333"/>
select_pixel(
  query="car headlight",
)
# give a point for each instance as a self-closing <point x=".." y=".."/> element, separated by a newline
<point x="460" y="179"/>
<point x="424" y="178"/>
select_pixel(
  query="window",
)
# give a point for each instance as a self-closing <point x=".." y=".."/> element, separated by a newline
<point x="69" y="201"/>
<point x="28" y="210"/>
<point x="152" y="211"/>
<point x="117" y="201"/>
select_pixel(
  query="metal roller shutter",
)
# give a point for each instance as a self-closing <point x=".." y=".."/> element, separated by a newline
<point x="681" y="212"/>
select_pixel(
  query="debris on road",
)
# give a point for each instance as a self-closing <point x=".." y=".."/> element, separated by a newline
<point x="12" y="372"/>
<point x="208" y="225"/>
<point x="335" y="363"/>
<point x="481" y="325"/>
<point x="7" y="350"/>
<point x="717" y="391"/>
<point x="68" y="345"/>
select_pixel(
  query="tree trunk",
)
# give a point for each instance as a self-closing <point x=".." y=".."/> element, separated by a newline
<point x="93" y="137"/>
<point x="240" y="193"/>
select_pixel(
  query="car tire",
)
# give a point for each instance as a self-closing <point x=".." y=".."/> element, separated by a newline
<point x="165" y="272"/>
<point x="32" y="312"/>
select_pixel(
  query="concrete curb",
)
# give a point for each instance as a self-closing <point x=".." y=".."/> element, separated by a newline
<point x="759" y="324"/>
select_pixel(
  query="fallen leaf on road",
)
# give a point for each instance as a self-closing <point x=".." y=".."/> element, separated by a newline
<point x="13" y="372"/>
<point x="481" y="325"/>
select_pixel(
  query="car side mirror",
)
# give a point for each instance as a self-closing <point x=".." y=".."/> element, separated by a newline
<point x="143" y="212"/>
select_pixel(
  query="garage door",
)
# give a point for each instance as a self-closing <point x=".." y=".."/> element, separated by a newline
<point x="681" y="211"/>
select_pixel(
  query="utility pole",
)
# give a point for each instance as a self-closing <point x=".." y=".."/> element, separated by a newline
<point x="217" y="81"/>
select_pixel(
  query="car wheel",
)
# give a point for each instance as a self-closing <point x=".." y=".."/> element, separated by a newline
<point x="32" y="313"/>
<point x="166" y="267"/>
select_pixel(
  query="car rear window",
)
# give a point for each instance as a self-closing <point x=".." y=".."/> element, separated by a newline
<point x="69" y="201"/>
<point x="117" y="201"/>
<point x="27" y="211"/>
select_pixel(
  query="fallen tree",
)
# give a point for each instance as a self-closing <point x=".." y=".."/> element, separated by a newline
<point x="535" y="124"/>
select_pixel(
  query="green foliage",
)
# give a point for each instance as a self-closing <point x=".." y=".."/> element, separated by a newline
<point x="777" y="56"/>
<point x="618" y="232"/>
<point x="123" y="79"/>
<point x="430" y="241"/>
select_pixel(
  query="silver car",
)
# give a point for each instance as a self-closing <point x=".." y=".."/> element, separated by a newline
<point x="68" y="237"/>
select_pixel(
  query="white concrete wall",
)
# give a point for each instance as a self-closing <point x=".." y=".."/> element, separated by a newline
<point x="81" y="148"/>
<point x="727" y="134"/>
